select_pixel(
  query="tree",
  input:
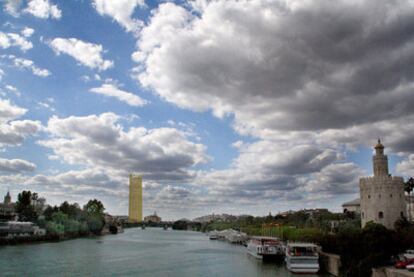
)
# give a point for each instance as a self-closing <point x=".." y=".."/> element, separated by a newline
<point x="49" y="211"/>
<point x="72" y="210"/>
<point x="24" y="207"/>
<point x="409" y="187"/>
<point x="94" y="207"/>
<point x="95" y="216"/>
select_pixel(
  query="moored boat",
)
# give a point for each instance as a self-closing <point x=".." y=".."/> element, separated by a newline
<point x="213" y="235"/>
<point x="409" y="254"/>
<point x="265" y="247"/>
<point x="302" y="257"/>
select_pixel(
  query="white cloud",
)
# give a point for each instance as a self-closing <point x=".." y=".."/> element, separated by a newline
<point x="9" y="111"/>
<point x="274" y="70"/>
<point x="12" y="7"/>
<point x="13" y="132"/>
<point x="14" y="166"/>
<point x="13" y="89"/>
<point x="12" y="39"/>
<point x="98" y="141"/>
<point x="86" y="53"/>
<point x="43" y="9"/>
<point x="29" y="64"/>
<point x="111" y="90"/>
<point x="27" y="32"/>
<point x="121" y="11"/>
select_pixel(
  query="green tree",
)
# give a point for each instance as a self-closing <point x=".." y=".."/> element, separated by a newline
<point x="94" y="207"/>
<point x="409" y="187"/>
<point x="72" y="210"/>
<point x="95" y="224"/>
<point x="55" y="229"/>
<point x="49" y="211"/>
<point x="24" y="207"/>
<point x="95" y="216"/>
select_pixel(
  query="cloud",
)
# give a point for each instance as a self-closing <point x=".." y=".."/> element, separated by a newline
<point x="121" y="11"/>
<point x="88" y="54"/>
<point x="12" y="7"/>
<point x="29" y="64"/>
<point x="14" y="166"/>
<point x="27" y="32"/>
<point x="98" y="141"/>
<point x="43" y="9"/>
<point x="309" y="80"/>
<point x="12" y="39"/>
<point x="335" y="179"/>
<point x="13" y="132"/>
<point x="111" y="90"/>
<point x="9" y="111"/>
<point x="287" y="66"/>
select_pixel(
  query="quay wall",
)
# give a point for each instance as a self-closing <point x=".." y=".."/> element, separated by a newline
<point x="330" y="263"/>
<point x="391" y="272"/>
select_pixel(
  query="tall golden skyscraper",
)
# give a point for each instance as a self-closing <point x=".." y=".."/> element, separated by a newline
<point x="135" y="198"/>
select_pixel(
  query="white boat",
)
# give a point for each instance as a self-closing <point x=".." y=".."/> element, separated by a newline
<point x="302" y="257"/>
<point x="213" y="235"/>
<point x="409" y="254"/>
<point x="265" y="247"/>
<point x="234" y="236"/>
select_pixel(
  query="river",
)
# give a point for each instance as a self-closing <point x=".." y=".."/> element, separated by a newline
<point x="136" y="252"/>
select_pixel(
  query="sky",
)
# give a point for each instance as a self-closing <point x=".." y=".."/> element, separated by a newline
<point x="240" y="107"/>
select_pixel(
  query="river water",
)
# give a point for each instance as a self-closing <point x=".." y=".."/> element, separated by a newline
<point x="136" y="252"/>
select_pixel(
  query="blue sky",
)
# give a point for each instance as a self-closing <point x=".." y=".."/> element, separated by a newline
<point x="223" y="106"/>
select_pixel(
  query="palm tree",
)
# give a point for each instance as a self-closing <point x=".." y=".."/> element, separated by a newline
<point x="409" y="187"/>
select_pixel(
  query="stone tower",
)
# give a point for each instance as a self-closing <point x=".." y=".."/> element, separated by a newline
<point x="382" y="196"/>
<point x="7" y="199"/>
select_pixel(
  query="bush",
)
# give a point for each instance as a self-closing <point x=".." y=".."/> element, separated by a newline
<point x="55" y="229"/>
<point x="95" y="224"/>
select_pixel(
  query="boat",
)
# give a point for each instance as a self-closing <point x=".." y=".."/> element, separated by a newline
<point x="234" y="236"/>
<point x="409" y="254"/>
<point x="143" y="227"/>
<point x="265" y="247"/>
<point x="302" y="257"/>
<point x="165" y="227"/>
<point x="213" y="235"/>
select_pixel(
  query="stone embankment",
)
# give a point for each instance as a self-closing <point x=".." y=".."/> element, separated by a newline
<point x="391" y="272"/>
<point x="330" y="263"/>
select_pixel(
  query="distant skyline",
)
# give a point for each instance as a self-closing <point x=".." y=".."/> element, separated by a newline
<point x="238" y="107"/>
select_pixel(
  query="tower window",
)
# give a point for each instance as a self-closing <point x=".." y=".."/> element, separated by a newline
<point x="381" y="215"/>
<point x="379" y="196"/>
<point x="390" y="195"/>
<point x="362" y="214"/>
<point x="402" y="214"/>
<point x="369" y="196"/>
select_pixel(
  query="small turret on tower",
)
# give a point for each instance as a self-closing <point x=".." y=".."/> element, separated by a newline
<point x="380" y="161"/>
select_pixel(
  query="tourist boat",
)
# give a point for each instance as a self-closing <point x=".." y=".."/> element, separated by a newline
<point x="265" y="247"/>
<point x="213" y="235"/>
<point x="409" y="254"/>
<point x="302" y="257"/>
<point x="234" y="236"/>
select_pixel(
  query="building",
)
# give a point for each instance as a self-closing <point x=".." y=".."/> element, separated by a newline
<point x="382" y="196"/>
<point x="7" y="209"/>
<point x="13" y="229"/>
<point x="154" y="218"/>
<point x="135" y="198"/>
<point x="353" y="206"/>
